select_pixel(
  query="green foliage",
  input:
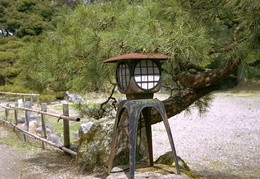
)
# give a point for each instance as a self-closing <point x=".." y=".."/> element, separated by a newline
<point x="15" y="89"/>
<point x="20" y="22"/>
<point x="8" y="55"/>
<point x="253" y="72"/>
<point x="46" y="98"/>
<point x="94" y="110"/>
<point x="26" y="17"/>
<point x="70" y="56"/>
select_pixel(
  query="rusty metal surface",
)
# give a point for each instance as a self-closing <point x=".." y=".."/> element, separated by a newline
<point x="148" y="128"/>
<point x="135" y="108"/>
<point x="137" y="56"/>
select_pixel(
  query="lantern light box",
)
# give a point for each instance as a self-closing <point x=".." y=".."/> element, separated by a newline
<point x="138" y="75"/>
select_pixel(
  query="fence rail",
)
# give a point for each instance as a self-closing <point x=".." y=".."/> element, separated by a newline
<point x="19" y="94"/>
<point x="22" y="96"/>
<point x="65" y="116"/>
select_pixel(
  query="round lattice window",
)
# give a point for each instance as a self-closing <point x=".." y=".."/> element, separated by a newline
<point x="123" y="75"/>
<point x="147" y="74"/>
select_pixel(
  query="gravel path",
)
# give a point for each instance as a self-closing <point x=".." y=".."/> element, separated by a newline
<point x="223" y="143"/>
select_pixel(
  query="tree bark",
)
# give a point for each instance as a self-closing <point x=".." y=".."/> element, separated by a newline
<point x="197" y="77"/>
<point x="198" y="82"/>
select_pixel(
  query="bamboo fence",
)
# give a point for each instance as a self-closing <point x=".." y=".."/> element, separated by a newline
<point x="65" y="116"/>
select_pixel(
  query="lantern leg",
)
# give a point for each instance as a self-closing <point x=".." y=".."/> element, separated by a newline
<point x="147" y="120"/>
<point x="133" y="124"/>
<point x="113" y="145"/>
<point x="114" y="137"/>
<point x="172" y="145"/>
<point x="162" y="111"/>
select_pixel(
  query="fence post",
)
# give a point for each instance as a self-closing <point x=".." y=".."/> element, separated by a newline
<point x="6" y="111"/>
<point x="15" y="113"/>
<point x="66" y="130"/>
<point x="44" y="133"/>
<point x="31" y="99"/>
<point x="27" y="115"/>
<point x="27" y="118"/>
<point x="24" y="101"/>
<point x="38" y="100"/>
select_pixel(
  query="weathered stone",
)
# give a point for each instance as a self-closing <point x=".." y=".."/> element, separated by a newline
<point x="38" y="130"/>
<point x="20" y="125"/>
<point x="47" y="125"/>
<point x="35" y="125"/>
<point x="167" y="159"/>
<point x="32" y="126"/>
<point x="55" y="138"/>
<point x="94" y="146"/>
<point x="21" y="119"/>
<point x="73" y="97"/>
<point x="74" y="147"/>
<point x="32" y="118"/>
<point x="76" y="135"/>
<point x="84" y="128"/>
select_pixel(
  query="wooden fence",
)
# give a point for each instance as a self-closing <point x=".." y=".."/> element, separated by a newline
<point x="65" y="117"/>
<point x="23" y="96"/>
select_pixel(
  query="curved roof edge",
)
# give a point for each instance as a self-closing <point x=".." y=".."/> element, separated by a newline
<point x="136" y="56"/>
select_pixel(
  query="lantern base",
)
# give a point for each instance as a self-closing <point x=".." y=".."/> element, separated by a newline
<point x="135" y="108"/>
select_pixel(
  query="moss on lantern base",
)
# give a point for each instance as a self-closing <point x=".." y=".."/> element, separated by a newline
<point x="167" y="159"/>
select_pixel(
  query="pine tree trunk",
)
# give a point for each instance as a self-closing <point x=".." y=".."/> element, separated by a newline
<point x="198" y="82"/>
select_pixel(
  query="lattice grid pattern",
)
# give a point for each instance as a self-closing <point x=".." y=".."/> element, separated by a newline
<point x="147" y="74"/>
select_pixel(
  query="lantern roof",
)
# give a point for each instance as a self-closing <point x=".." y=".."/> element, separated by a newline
<point x="137" y="56"/>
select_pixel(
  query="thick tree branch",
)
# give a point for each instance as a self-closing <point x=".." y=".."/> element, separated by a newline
<point x="194" y="78"/>
<point x="182" y="100"/>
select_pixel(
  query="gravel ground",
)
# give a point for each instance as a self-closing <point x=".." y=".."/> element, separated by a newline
<point x="223" y="143"/>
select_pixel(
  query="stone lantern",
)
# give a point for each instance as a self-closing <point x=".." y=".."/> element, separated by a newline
<point x="138" y="75"/>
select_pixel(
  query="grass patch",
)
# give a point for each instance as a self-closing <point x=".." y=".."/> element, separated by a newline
<point x="59" y="107"/>
<point x="74" y="128"/>
<point x="58" y="127"/>
<point x="8" y="137"/>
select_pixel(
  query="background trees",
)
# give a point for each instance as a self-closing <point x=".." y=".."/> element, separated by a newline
<point x="68" y="55"/>
<point x="21" y="22"/>
<point x="192" y="31"/>
<point x="26" y="17"/>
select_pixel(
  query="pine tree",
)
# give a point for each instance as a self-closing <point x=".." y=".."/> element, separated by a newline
<point x="197" y="33"/>
<point x="20" y="21"/>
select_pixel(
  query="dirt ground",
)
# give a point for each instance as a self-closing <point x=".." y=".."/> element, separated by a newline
<point x="22" y="160"/>
<point x="223" y="143"/>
